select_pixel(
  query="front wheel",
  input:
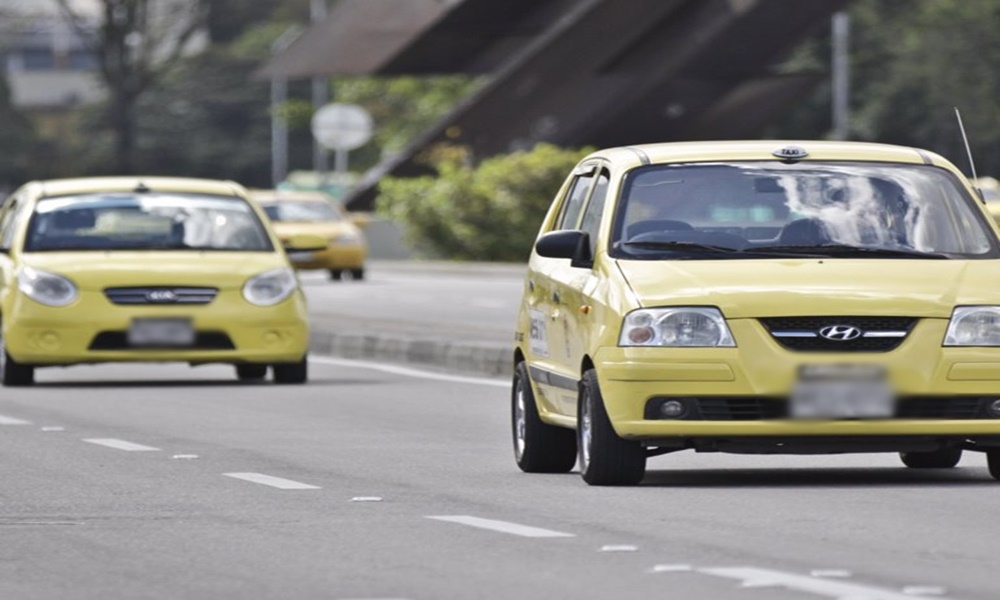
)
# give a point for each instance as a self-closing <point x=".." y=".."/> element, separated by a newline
<point x="13" y="373"/>
<point x="291" y="373"/>
<point x="251" y="372"/>
<point x="336" y="274"/>
<point x="605" y="458"/>
<point x="945" y="458"/>
<point x="538" y="446"/>
<point x="358" y="274"/>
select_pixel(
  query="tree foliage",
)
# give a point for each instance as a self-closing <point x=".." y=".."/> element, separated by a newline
<point x="912" y="61"/>
<point x="487" y="212"/>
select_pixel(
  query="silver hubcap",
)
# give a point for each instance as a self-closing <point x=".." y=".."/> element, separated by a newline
<point x="519" y="424"/>
<point x="586" y="432"/>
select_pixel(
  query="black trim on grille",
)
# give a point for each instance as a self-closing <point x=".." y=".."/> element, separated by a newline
<point x="161" y="295"/>
<point x="754" y="408"/>
<point x="801" y="334"/>
<point x="204" y="340"/>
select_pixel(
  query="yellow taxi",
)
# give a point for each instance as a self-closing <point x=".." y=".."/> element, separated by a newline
<point x="312" y="213"/>
<point x="758" y="297"/>
<point x="146" y="269"/>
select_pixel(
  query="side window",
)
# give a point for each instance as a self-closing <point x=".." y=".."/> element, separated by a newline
<point x="595" y="208"/>
<point x="569" y="216"/>
<point x="7" y="223"/>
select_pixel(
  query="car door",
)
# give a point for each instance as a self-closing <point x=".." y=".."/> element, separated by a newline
<point x="573" y="287"/>
<point x="9" y="213"/>
<point x="547" y="341"/>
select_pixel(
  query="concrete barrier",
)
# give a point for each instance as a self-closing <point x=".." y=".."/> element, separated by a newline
<point x="484" y="359"/>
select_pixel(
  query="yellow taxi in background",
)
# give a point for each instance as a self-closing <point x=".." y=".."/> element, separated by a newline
<point x="759" y="297"/>
<point x="146" y="269"/>
<point x="297" y="213"/>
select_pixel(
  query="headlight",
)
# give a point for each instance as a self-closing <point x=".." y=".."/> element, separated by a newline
<point x="345" y="239"/>
<point x="974" y="326"/>
<point x="692" y="327"/>
<point x="46" y="288"/>
<point x="270" y="288"/>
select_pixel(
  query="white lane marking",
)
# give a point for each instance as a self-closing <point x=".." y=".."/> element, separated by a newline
<point x="670" y="569"/>
<point x="366" y="499"/>
<point x="53" y="428"/>
<point x="276" y="482"/>
<point x="4" y="420"/>
<point x="503" y="527"/>
<point x="184" y="456"/>
<point x="408" y="372"/>
<point x="830" y="573"/>
<point x="121" y="445"/>
<point x="619" y="548"/>
<point x="924" y="590"/>
<point x="752" y="577"/>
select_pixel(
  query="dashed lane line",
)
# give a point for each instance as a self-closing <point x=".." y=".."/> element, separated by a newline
<point x="753" y="577"/>
<point x="4" y="420"/>
<point x="121" y="445"/>
<point x="275" y="482"/>
<point x="408" y="372"/>
<point x="502" y="526"/>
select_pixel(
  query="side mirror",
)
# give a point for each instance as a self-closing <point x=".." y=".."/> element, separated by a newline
<point x="571" y="244"/>
<point x="306" y="243"/>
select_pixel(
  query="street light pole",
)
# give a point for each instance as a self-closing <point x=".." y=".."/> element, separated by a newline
<point x="841" y="75"/>
<point x="320" y="96"/>
<point x="279" y="95"/>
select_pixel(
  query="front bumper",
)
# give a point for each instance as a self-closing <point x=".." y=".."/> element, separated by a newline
<point x="84" y="332"/>
<point x="759" y="367"/>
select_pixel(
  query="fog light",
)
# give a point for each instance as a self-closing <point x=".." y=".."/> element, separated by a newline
<point x="672" y="409"/>
<point x="994" y="408"/>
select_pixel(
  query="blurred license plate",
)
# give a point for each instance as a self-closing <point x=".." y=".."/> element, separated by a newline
<point x="842" y="392"/>
<point x="161" y="332"/>
<point x="301" y="256"/>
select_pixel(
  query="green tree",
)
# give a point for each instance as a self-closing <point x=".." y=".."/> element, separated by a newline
<point x="488" y="212"/>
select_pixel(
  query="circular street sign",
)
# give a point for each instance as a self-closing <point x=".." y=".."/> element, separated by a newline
<point x="342" y="126"/>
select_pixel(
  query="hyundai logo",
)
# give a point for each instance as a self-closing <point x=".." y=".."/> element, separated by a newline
<point x="161" y="296"/>
<point x="841" y="333"/>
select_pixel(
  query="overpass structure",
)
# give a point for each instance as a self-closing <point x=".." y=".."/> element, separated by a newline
<point x="572" y="72"/>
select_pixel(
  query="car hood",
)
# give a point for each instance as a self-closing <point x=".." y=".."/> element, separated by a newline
<point x="99" y="270"/>
<point x="804" y="287"/>
<point x="328" y="230"/>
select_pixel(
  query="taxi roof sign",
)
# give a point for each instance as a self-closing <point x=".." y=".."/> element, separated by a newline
<point x="791" y="152"/>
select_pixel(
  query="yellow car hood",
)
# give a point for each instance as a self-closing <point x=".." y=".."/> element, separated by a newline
<point x="803" y="287"/>
<point x="99" y="270"/>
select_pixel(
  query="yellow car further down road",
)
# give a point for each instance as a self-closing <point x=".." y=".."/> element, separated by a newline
<point x="759" y="297"/>
<point x="146" y="269"/>
<point x="311" y="213"/>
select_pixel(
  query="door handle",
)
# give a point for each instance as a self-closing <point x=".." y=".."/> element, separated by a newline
<point x="556" y="299"/>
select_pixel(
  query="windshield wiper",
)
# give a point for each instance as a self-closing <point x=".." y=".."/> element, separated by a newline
<point x="844" y="249"/>
<point x="664" y="245"/>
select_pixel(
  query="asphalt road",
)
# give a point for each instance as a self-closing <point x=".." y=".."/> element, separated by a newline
<point x="157" y="482"/>
<point x="454" y="302"/>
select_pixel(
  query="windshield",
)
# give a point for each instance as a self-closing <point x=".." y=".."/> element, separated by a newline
<point x="760" y="209"/>
<point x="145" y="221"/>
<point x="301" y="211"/>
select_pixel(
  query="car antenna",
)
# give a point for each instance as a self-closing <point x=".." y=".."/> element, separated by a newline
<point x="968" y="151"/>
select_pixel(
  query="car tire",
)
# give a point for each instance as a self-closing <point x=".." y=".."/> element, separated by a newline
<point x="251" y="372"/>
<point x="605" y="458"/>
<point x="538" y="446"/>
<point x="291" y="373"/>
<point x="358" y="274"/>
<point x="993" y="462"/>
<point x="336" y="274"/>
<point x="13" y="373"/>
<point x="945" y="458"/>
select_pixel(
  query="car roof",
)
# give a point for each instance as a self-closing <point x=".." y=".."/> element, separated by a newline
<point x="748" y="150"/>
<point x="85" y="185"/>
<point x="293" y="195"/>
